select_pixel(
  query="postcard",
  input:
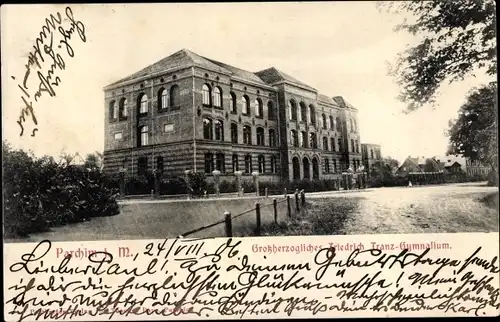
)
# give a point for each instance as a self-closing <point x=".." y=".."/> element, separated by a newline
<point x="250" y="160"/>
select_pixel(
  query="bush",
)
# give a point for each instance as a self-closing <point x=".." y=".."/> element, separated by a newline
<point x="39" y="193"/>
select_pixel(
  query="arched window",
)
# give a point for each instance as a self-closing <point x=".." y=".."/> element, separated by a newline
<point x="303" y="139"/>
<point x="175" y="96"/>
<point x="312" y="115"/>
<point x="219" y="130"/>
<point x="292" y="106"/>
<point x="339" y="144"/>
<point x="332" y="123"/>
<point x="233" y="106"/>
<point x="272" y="137"/>
<point x="235" y="163"/>
<point x="260" y="136"/>
<point x="303" y="112"/>
<point x="209" y="162"/>
<point x="248" y="163"/>
<point x="234" y="133"/>
<point x="325" y="143"/>
<point x="294" y="138"/>
<point x="259" y="108"/>
<point x="123" y="109"/>
<point x="338" y="124"/>
<point x="206" y="95"/>
<point x="271" y="113"/>
<point x="217" y="97"/>
<point x="143" y="135"/>
<point x="273" y="164"/>
<point x="220" y="162"/>
<point x="162" y="99"/>
<point x="113" y="110"/>
<point x="247" y="134"/>
<point x="332" y="143"/>
<point x="207" y="129"/>
<point x="323" y="117"/>
<point x="143" y="104"/>
<point x="262" y="164"/>
<point x="313" y="141"/>
<point x="352" y="146"/>
<point x="245" y="105"/>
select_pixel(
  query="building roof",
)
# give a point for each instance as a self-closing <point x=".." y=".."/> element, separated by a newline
<point x="182" y="58"/>
<point x="326" y="99"/>
<point x="449" y="160"/>
<point x="273" y="75"/>
<point x="240" y="73"/>
<point x="342" y="102"/>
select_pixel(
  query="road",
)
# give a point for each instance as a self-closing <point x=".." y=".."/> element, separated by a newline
<point x="426" y="209"/>
<point x="419" y="209"/>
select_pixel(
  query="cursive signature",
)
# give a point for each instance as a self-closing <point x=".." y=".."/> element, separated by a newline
<point x="56" y="34"/>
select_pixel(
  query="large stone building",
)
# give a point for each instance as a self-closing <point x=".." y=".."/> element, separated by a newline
<point x="371" y="155"/>
<point x="190" y="112"/>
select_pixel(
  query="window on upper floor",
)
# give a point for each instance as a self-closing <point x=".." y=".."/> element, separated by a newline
<point x="217" y="97"/>
<point x="327" y="165"/>
<point x="236" y="166"/>
<point x="260" y="136"/>
<point x="143" y="135"/>
<point x="338" y="124"/>
<point x="313" y="141"/>
<point x="292" y="106"/>
<point x="352" y="146"/>
<point x="123" y="108"/>
<point x="339" y="144"/>
<point x="272" y="137"/>
<point x="312" y="115"/>
<point x="143" y="104"/>
<point x="219" y="130"/>
<point x="332" y="123"/>
<point x="162" y="99"/>
<point x="294" y="138"/>
<point x="245" y="105"/>
<point x="232" y="103"/>
<point x="325" y="143"/>
<point x="332" y="144"/>
<point x="207" y="129"/>
<point x="303" y="112"/>
<point x="175" y="100"/>
<point x="323" y="121"/>
<point x="247" y="134"/>
<point x="206" y="95"/>
<point x="259" y="108"/>
<point x="113" y="110"/>
<point x="248" y="163"/>
<point x="303" y="139"/>
<point x="234" y="133"/>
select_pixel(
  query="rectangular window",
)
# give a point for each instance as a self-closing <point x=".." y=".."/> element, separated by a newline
<point x="118" y="136"/>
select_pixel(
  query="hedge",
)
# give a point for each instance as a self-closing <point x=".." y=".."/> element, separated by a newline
<point x="40" y="193"/>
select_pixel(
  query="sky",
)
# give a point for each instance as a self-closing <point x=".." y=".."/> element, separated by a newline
<point x="339" y="48"/>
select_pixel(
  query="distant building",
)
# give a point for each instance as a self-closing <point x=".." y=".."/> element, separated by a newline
<point x="419" y="164"/>
<point x="187" y="111"/>
<point x="452" y="163"/>
<point x="371" y="155"/>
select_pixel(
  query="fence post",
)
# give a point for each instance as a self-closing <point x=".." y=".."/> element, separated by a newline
<point x="229" y="224"/>
<point x="285" y="193"/>
<point x="275" y="207"/>
<point x="257" y="213"/>
<point x="297" y="207"/>
<point x="152" y="193"/>
<point x="265" y="191"/>
<point x="242" y="191"/>
<point x="288" y="206"/>
<point x="303" y="197"/>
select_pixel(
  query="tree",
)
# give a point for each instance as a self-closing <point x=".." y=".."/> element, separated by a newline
<point x="93" y="161"/>
<point x="430" y="166"/>
<point x="474" y="133"/>
<point x="458" y="39"/>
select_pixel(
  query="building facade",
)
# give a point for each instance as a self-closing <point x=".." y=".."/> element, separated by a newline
<point x="476" y="168"/>
<point x="371" y="155"/>
<point x="188" y="112"/>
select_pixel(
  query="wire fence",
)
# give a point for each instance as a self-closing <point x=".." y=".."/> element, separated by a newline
<point x="292" y="207"/>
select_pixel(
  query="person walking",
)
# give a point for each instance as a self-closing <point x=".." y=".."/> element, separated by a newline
<point x="409" y="184"/>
